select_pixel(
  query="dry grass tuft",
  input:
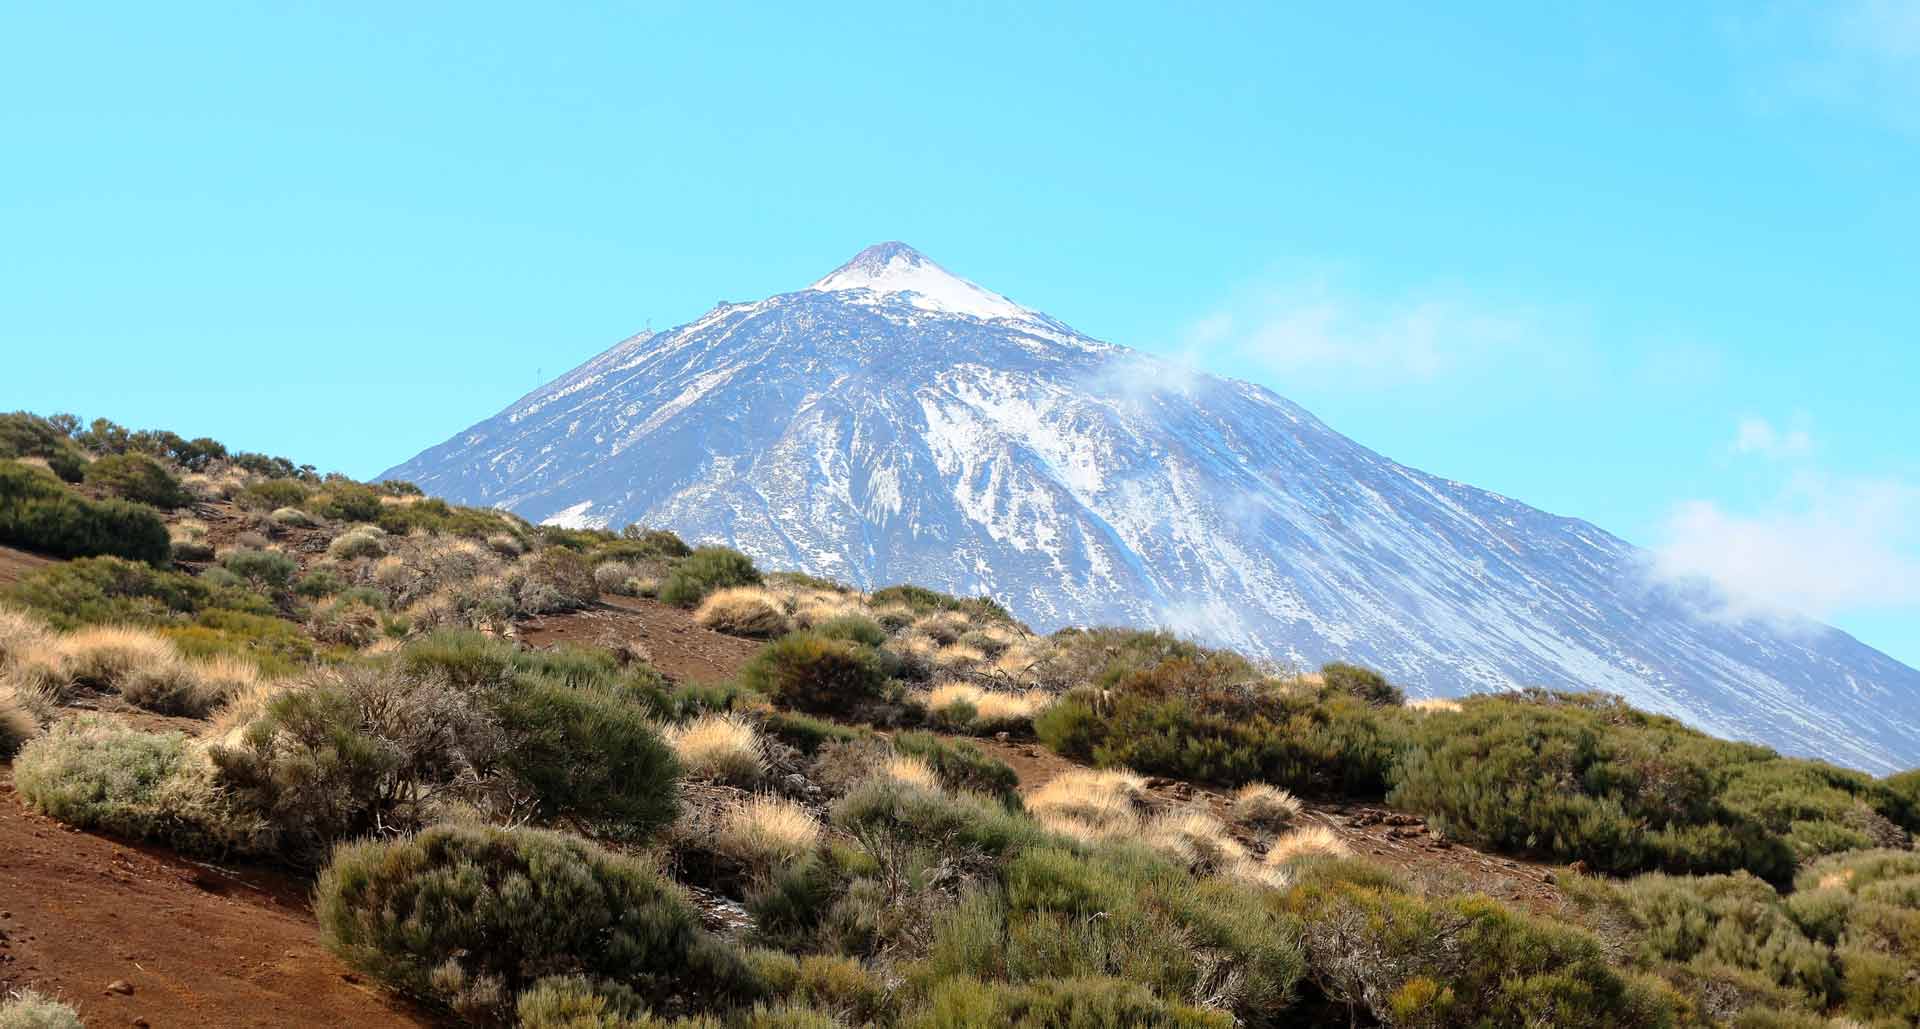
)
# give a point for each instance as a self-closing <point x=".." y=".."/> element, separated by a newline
<point x="1311" y="842"/>
<point x="944" y="627"/>
<point x="1090" y="803"/>
<point x="767" y="832"/>
<point x="1261" y="806"/>
<point x="21" y="633"/>
<point x="1196" y="839"/>
<point x="910" y="770"/>
<point x="1429" y="705"/>
<point x="1274" y="877"/>
<point x="958" y="655"/>
<point x="719" y="747"/>
<point x="19" y="720"/>
<point x="744" y="611"/>
<point x="992" y="711"/>
<point x="101" y="656"/>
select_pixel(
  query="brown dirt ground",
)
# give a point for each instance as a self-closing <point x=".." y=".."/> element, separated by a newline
<point x="18" y="564"/>
<point x="670" y="640"/>
<point x="200" y="945"/>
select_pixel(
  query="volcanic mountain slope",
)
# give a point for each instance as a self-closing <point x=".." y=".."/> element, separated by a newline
<point x="896" y="423"/>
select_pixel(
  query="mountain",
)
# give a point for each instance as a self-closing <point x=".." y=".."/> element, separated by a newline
<point x="894" y="422"/>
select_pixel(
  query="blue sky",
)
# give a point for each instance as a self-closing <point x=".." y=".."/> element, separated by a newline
<point x="1653" y="265"/>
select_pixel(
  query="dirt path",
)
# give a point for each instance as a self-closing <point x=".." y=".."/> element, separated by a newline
<point x="200" y="946"/>
<point x="671" y="640"/>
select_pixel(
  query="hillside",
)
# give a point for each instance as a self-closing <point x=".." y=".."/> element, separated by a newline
<point x="568" y="778"/>
<point x="896" y="423"/>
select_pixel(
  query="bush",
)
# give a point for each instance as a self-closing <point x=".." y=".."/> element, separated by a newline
<point x="857" y="628"/>
<point x="40" y="514"/>
<point x="1374" y="947"/>
<point x="1189" y="718"/>
<point x="1588" y="778"/>
<point x="1258" y="805"/>
<point x="472" y="917"/>
<point x="358" y="543"/>
<point x="109" y="589"/>
<point x="810" y="673"/>
<point x="766" y="833"/>
<point x="1084" y="1003"/>
<point x="654" y="542"/>
<point x="1364" y="683"/>
<point x="922" y="601"/>
<point x="557" y="579"/>
<point x="918" y="816"/>
<point x="344" y="501"/>
<point x="138" y="478"/>
<point x="590" y="753"/>
<point x="271" y="495"/>
<point x="265" y="570"/>
<point x="718" y="747"/>
<point x="704" y="571"/>
<point x="961" y="765"/>
<point x="30" y="1010"/>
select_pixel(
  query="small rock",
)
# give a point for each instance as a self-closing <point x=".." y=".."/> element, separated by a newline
<point x="1549" y="878"/>
<point x="1003" y="736"/>
<point x="120" y="986"/>
<point x="141" y="1023"/>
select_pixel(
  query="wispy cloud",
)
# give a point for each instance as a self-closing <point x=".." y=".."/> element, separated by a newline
<point x="1822" y="544"/>
<point x="1312" y="326"/>
<point x="1858" y="54"/>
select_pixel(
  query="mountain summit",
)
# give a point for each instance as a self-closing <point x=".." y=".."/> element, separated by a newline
<point x="897" y="423"/>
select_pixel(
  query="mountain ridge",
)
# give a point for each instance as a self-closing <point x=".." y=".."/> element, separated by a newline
<point x="904" y="429"/>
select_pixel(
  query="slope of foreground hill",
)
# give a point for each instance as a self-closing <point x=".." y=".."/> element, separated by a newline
<point x="896" y="423"/>
<point x="558" y="778"/>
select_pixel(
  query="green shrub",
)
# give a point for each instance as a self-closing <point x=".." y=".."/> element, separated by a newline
<point x="437" y="517"/>
<point x="271" y="495"/>
<point x="39" y="513"/>
<point x="810" y="673"/>
<point x="857" y="628"/>
<point x="1085" y="1003"/>
<point x="344" y="501"/>
<point x="110" y="589"/>
<point x="590" y="753"/>
<point x="28" y="435"/>
<point x="577" y="1002"/>
<point x="1588" y="778"/>
<point x="266" y="570"/>
<point x="558" y="580"/>
<point x="918" y="816"/>
<point x="962" y="765"/>
<point x="471" y="917"/>
<point x="1459" y="960"/>
<point x="321" y="582"/>
<point x="30" y="1010"/>
<point x="138" y="478"/>
<point x="922" y="601"/>
<point x="1191" y="718"/>
<point x="1101" y="657"/>
<point x="1732" y="920"/>
<point x="1364" y="683"/>
<point x="704" y="571"/>
<point x="806" y="733"/>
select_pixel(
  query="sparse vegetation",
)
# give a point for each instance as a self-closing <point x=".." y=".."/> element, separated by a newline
<point x="704" y="571"/>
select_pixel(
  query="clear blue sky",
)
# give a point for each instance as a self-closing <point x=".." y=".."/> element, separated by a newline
<point x="1654" y="265"/>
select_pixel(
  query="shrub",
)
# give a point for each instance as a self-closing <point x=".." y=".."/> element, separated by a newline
<point x="40" y="514"/>
<point x="961" y="765"/>
<point x="1084" y="1003"/>
<point x="590" y="753"/>
<point x="109" y="589"/>
<point x="138" y="478"/>
<point x="1364" y="683"/>
<point x="266" y="570"/>
<point x="557" y="579"/>
<point x="817" y="675"/>
<point x="471" y="917"/>
<point x="921" y="600"/>
<point x="857" y="628"/>
<point x="353" y="750"/>
<point x="743" y="611"/>
<point x="1189" y="718"/>
<point x="271" y="495"/>
<point x="1589" y="778"/>
<point x="806" y="733"/>
<point x="344" y="501"/>
<point x="614" y="577"/>
<point x="1372" y="947"/>
<point x="346" y="621"/>
<point x="767" y="832"/>
<point x="96" y="774"/>
<point x="911" y="815"/>
<point x="1736" y="921"/>
<point x="705" y="570"/>
<point x="358" y="543"/>
<point x="30" y="1010"/>
<point x="720" y="747"/>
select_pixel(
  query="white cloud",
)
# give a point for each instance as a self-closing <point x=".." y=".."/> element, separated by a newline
<point x="1311" y="327"/>
<point x="1857" y="54"/>
<point x="1822" y="544"/>
<point x="1758" y="436"/>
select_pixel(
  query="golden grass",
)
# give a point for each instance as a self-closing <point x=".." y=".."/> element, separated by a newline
<point x="1273" y="877"/>
<point x="241" y="710"/>
<point x="1089" y="802"/>
<point x="1194" y="838"/>
<point x="766" y="832"/>
<point x="1429" y="705"/>
<point x="100" y="656"/>
<point x="910" y="770"/>
<point x="1016" y="662"/>
<point x="21" y="633"/>
<point x="1267" y="807"/>
<point x="945" y="627"/>
<point x="719" y="747"/>
<point x="958" y="655"/>
<point x="893" y="616"/>
<point x="19" y="720"/>
<point x="819" y="608"/>
<point x="743" y="611"/>
<point x="1312" y="841"/>
<point x="992" y="711"/>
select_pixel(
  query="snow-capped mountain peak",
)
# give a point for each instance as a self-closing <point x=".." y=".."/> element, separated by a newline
<point x="897" y="423"/>
<point x="894" y="269"/>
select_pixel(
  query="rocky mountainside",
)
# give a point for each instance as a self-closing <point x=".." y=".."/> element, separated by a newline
<point x="896" y="423"/>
